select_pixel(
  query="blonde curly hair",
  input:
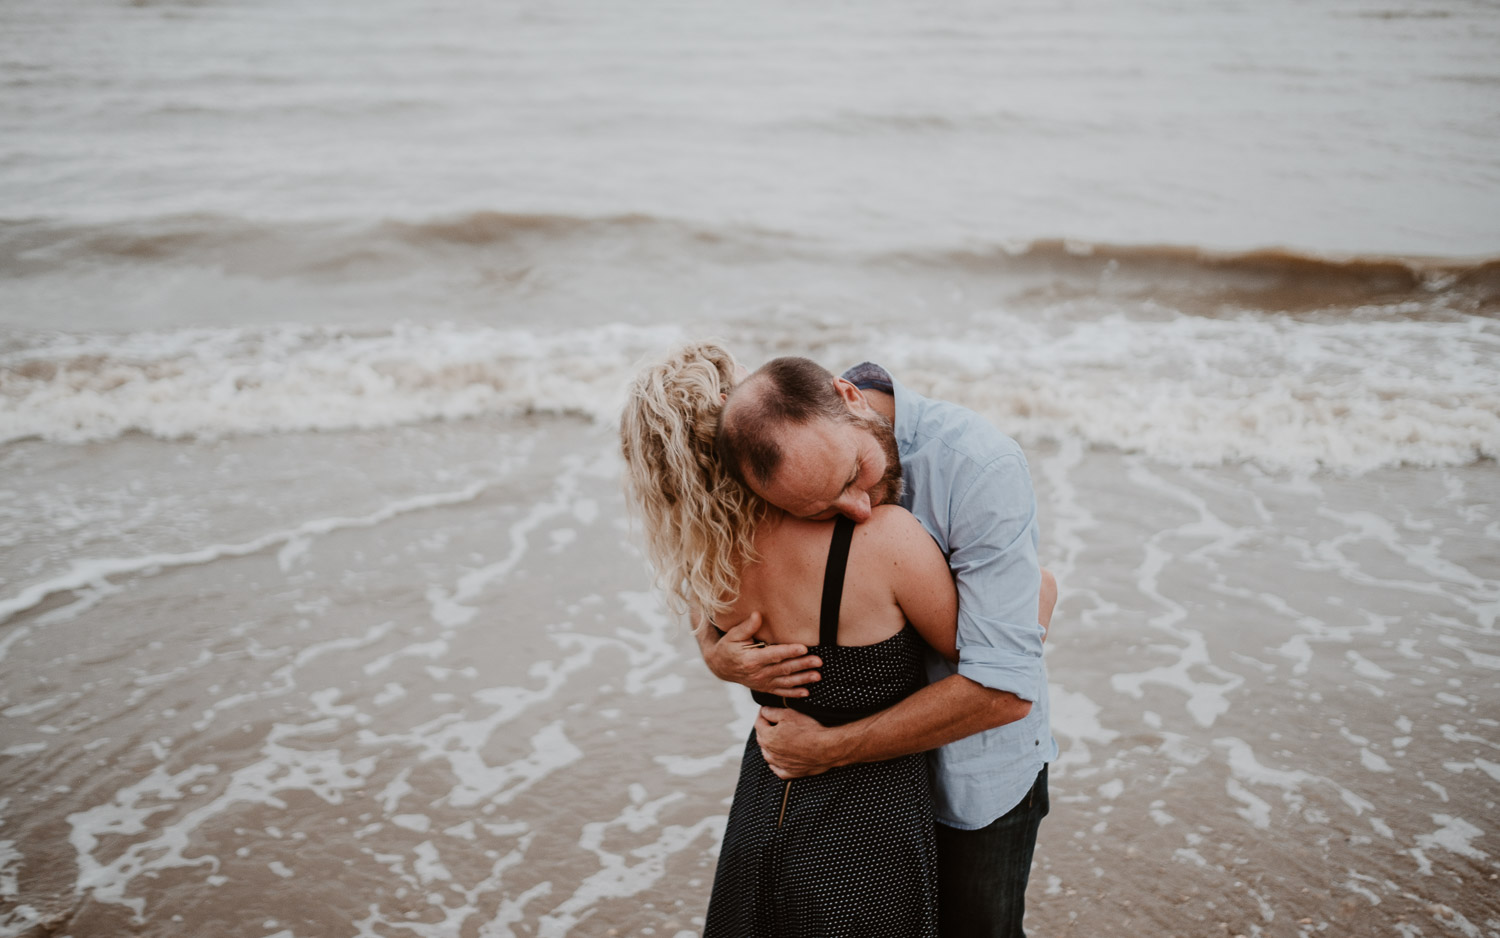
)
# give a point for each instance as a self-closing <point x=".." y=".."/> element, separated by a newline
<point x="699" y="521"/>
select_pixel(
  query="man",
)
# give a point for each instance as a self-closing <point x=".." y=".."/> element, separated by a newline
<point x="816" y="446"/>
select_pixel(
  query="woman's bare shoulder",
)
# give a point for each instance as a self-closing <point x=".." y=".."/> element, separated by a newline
<point x="892" y="529"/>
<point x="889" y="528"/>
<point x="895" y="521"/>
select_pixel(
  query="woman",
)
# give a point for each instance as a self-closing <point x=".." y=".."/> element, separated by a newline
<point x="849" y="852"/>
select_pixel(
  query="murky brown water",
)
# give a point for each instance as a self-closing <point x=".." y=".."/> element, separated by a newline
<point x="454" y="708"/>
<point x="319" y="613"/>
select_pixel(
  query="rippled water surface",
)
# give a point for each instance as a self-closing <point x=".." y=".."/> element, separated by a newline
<point x="320" y="611"/>
<point x="434" y="696"/>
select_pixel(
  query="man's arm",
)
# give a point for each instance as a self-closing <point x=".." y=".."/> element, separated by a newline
<point x="796" y="745"/>
<point x="992" y="544"/>
<point x="790" y="733"/>
<point x="737" y="657"/>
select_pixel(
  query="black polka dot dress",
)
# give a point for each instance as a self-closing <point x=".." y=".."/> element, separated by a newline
<point x="849" y="852"/>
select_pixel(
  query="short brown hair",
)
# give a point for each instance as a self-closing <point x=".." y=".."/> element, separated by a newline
<point x="789" y="390"/>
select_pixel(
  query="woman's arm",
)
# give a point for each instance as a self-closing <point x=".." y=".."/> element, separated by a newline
<point x="923" y="584"/>
<point x="920" y="580"/>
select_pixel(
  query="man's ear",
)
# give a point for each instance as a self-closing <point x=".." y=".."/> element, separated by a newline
<point x="852" y="396"/>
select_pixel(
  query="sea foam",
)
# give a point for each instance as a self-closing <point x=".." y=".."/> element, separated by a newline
<point x="1283" y="392"/>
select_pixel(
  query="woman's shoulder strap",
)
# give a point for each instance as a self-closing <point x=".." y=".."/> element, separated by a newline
<point x="833" y="581"/>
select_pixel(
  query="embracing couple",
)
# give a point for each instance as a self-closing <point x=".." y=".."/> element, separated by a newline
<point x="864" y="559"/>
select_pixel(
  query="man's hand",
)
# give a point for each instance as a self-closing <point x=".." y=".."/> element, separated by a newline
<point x="795" y="745"/>
<point x="773" y="669"/>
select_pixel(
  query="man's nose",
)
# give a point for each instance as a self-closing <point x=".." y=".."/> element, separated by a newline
<point x="855" y="506"/>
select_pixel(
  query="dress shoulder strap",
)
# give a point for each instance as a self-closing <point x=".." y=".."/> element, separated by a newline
<point x="833" y="581"/>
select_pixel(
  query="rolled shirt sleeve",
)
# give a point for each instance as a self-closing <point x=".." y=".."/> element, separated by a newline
<point x="969" y="485"/>
<point x="993" y="530"/>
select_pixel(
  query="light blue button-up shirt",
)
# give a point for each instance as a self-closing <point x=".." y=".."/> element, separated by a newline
<point x="969" y="485"/>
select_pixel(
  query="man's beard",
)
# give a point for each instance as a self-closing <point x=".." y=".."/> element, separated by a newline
<point x="888" y="490"/>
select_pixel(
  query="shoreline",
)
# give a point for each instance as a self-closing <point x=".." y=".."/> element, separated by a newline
<point x="1270" y="707"/>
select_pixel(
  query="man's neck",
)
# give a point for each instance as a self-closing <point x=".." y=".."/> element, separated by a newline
<point x="884" y="404"/>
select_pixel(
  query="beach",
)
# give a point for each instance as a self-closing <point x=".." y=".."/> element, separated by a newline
<point x="322" y="612"/>
<point x="460" y="709"/>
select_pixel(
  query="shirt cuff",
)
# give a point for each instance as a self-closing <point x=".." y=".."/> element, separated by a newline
<point x="1020" y="674"/>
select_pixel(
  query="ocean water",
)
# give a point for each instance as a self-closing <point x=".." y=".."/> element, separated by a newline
<point x="321" y="612"/>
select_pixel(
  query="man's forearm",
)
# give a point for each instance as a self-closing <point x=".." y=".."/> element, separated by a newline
<point x="934" y="716"/>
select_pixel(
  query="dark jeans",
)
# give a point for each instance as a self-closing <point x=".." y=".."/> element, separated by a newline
<point x="982" y="874"/>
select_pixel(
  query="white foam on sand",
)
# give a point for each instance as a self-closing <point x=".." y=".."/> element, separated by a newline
<point x="453" y="608"/>
<point x="1068" y="536"/>
<point x="283" y="680"/>
<point x="455" y="904"/>
<point x="10" y="867"/>
<point x="649" y="650"/>
<point x="1206" y="700"/>
<point x="1439" y="579"/>
<point x="19" y="919"/>
<point x="86" y="573"/>
<point x="1256" y="810"/>
<point x="1246" y="768"/>
<point x="1075" y="717"/>
<point x="744" y="710"/>
<point x="460" y="741"/>
<point x="618" y="877"/>
<point x="1492" y="769"/>
<point x="156" y="845"/>
<point x="692" y="766"/>
<point x="1455" y="835"/>
<point x="1476" y="658"/>
<point x="511" y="911"/>
<point x="161" y="820"/>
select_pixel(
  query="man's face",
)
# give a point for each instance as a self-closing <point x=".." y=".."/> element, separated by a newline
<point x="836" y="468"/>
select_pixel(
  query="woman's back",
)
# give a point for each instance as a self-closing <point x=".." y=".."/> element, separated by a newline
<point x="895" y="574"/>
<point x="848" y="852"/>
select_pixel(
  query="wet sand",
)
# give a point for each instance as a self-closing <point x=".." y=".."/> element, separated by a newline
<point x="320" y="614"/>
<point x="414" y="682"/>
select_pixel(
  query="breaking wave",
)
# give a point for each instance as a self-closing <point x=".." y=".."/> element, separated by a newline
<point x="1267" y="279"/>
<point x="1283" y="393"/>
